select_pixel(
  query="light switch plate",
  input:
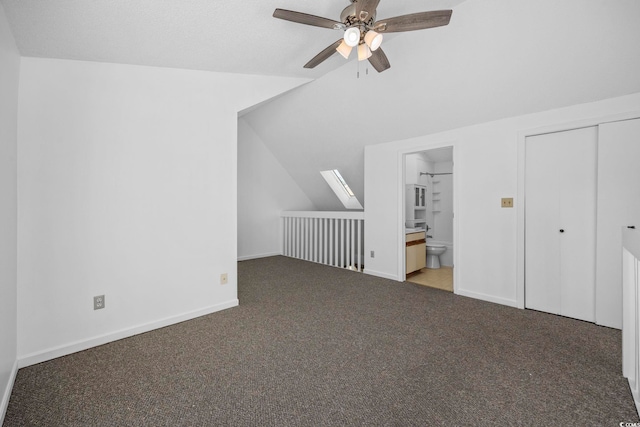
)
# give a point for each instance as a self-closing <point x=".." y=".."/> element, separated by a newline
<point x="507" y="202"/>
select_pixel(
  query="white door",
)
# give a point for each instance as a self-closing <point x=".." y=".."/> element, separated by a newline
<point x="560" y="222"/>
<point x="618" y="206"/>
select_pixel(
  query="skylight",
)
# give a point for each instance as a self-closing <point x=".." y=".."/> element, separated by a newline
<point x="342" y="190"/>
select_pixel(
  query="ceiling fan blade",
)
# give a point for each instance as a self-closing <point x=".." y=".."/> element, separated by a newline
<point x="366" y="8"/>
<point x="305" y="18"/>
<point x="414" y="21"/>
<point x="379" y="60"/>
<point x="325" y="54"/>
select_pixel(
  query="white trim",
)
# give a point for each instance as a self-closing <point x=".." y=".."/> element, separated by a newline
<point x="7" y="392"/>
<point x="401" y="203"/>
<point x="383" y="275"/>
<point x="63" y="350"/>
<point x="522" y="137"/>
<point x="488" y="298"/>
<point x="257" y="256"/>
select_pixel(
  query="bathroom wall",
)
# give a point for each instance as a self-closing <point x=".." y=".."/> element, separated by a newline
<point x="416" y="163"/>
<point x="443" y="219"/>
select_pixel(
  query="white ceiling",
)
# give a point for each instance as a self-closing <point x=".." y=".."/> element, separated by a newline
<point x="223" y="36"/>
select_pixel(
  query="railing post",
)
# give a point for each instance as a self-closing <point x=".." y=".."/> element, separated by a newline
<point x="360" y="248"/>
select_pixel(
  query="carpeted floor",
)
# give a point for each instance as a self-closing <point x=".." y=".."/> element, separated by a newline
<point x="312" y="345"/>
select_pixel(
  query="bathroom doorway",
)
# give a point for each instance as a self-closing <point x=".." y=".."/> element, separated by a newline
<point x="428" y="218"/>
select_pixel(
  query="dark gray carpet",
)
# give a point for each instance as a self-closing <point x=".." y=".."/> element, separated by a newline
<point x="311" y="345"/>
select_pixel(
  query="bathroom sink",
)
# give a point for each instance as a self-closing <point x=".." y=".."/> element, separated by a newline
<point x="412" y="230"/>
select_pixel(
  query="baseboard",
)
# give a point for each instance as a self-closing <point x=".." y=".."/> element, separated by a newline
<point x="63" y="350"/>
<point x="7" y="392"/>
<point x="248" y="257"/>
<point x="380" y="274"/>
<point x="489" y="298"/>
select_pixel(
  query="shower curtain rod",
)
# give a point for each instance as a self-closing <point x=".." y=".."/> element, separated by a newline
<point x="433" y="174"/>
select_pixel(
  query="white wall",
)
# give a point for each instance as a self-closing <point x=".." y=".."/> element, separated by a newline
<point x="9" y="79"/>
<point x="486" y="159"/>
<point x="264" y="190"/>
<point x="127" y="188"/>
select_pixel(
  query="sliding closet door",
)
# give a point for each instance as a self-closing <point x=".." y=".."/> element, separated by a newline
<point x="542" y="241"/>
<point x="560" y="223"/>
<point x="618" y="206"/>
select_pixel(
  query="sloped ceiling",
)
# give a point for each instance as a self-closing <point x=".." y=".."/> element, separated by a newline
<point x="496" y="59"/>
<point x="213" y="35"/>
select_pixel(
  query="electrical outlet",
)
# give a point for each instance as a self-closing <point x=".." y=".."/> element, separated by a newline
<point x="98" y="302"/>
<point x="223" y="279"/>
<point x="373" y="254"/>
<point x="507" y="202"/>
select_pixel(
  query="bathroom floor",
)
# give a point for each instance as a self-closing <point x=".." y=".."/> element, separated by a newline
<point x="440" y="278"/>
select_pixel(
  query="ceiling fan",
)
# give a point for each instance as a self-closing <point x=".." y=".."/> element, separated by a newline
<point x="358" y="21"/>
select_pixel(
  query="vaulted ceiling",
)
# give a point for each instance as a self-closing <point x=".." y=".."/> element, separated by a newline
<point x="496" y="59"/>
<point x="223" y="36"/>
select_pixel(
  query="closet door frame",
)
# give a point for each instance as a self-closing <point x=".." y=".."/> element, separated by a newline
<point x="521" y="196"/>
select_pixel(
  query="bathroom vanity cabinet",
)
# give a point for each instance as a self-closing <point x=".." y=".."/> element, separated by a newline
<point x="416" y="251"/>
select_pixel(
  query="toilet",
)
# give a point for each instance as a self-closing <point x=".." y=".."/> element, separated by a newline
<point x="433" y="255"/>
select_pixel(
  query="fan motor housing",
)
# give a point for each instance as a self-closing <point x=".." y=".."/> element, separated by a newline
<point x="348" y="15"/>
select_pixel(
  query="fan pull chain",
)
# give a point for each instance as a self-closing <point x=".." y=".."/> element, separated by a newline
<point x="366" y="70"/>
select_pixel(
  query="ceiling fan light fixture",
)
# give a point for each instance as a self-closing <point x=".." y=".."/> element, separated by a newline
<point x="344" y="49"/>
<point x="352" y="36"/>
<point x="363" y="52"/>
<point x="373" y="39"/>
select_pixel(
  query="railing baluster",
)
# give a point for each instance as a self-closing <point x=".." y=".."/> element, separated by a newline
<point x="291" y="236"/>
<point x="316" y="227"/>
<point x="310" y="255"/>
<point x="336" y="243"/>
<point x="321" y="240"/>
<point x="324" y="240"/>
<point x="330" y="238"/>
<point x="285" y="247"/>
<point x="306" y="239"/>
<point x="299" y="239"/>
<point x="330" y="260"/>
<point x="353" y="243"/>
<point x="343" y="226"/>
<point x="347" y="243"/>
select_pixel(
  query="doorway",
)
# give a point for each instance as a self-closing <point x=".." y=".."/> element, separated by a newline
<point x="428" y="218"/>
